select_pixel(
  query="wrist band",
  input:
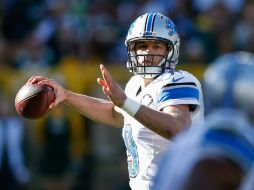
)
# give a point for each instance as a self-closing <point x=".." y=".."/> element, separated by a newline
<point x="131" y="106"/>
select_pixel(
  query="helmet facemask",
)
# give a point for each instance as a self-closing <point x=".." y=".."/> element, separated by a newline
<point x="150" y="69"/>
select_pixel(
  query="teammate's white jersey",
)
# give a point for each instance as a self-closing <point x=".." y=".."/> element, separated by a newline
<point x="145" y="147"/>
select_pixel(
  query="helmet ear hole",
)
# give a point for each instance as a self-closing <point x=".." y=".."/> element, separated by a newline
<point x="170" y="47"/>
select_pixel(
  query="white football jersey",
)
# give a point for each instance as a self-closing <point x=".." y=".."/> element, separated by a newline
<point x="145" y="147"/>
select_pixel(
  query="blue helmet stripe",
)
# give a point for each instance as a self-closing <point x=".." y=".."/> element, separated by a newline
<point x="231" y="76"/>
<point x="149" y="22"/>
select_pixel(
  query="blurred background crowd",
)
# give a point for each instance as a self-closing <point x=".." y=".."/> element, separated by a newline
<point x="67" y="40"/>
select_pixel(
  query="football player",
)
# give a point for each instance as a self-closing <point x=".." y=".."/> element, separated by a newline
<point x="158" y="101"/>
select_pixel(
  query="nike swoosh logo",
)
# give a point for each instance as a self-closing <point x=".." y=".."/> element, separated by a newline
<point x="175" y="80"/>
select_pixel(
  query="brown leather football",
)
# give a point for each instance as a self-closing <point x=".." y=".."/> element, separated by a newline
<point x="32" y="100"/>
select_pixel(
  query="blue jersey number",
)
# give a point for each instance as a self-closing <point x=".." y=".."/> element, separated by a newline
<point x="132" y="153"/>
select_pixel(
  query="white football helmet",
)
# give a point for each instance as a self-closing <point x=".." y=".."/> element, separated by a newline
<point x="229" y="83"/>
<point x="152" y="26"/>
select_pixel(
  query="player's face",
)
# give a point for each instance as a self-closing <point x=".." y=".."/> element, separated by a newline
<point x="150" y="52"/>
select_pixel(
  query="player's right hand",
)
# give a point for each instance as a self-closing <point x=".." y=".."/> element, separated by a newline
<point x="60" y="92"/>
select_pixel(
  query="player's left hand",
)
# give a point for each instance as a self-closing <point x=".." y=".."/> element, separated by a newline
<point x="111" y="88"/>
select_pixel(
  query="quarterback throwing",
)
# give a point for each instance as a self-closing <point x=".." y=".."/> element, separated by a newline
<point x="158" y="101"/>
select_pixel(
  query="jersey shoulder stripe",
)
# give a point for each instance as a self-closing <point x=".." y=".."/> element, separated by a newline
<point x="179" y="93"/>
<point x="180" y="84"/>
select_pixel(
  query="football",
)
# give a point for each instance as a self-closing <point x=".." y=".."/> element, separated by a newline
<point x="32" y="100"/>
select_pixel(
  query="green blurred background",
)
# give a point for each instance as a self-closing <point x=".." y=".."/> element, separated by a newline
<point x="67" y="40"/>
